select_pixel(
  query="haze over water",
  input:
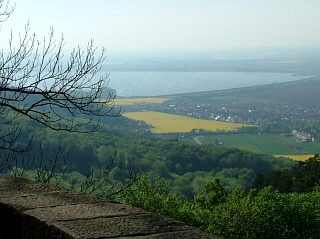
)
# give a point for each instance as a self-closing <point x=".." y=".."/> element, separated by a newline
<point x="133" y="83"/>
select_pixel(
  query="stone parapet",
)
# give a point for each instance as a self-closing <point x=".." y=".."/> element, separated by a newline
<point x="34" y="210"/>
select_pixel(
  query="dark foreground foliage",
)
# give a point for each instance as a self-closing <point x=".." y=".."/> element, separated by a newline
<point x="254" y="214"/>
<point x="303" y="177"/>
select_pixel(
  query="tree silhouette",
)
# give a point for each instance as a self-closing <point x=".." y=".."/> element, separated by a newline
<point x="40" y="82"/>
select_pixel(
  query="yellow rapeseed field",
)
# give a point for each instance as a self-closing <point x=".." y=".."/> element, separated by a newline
<point x="132" y="101"/>
<point x="170" y="123"/>
<point x="297" y="157"/>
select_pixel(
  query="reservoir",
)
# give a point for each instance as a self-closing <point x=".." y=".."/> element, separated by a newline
<point x="153" y="83"/>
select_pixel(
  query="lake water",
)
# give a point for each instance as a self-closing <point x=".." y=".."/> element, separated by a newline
<point x="165" y="83"/>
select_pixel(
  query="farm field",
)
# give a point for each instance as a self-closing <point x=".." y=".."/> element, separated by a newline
<point x="295" y="157"/>
<point x="170" y="123"/>
<point x="133" y="101"/>
<point x="265" y="143"/>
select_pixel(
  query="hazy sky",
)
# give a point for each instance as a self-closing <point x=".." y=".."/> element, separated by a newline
<point x="167" y="25"/>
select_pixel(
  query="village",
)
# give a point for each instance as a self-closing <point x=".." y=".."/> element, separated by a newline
<point x="296" y="120"/>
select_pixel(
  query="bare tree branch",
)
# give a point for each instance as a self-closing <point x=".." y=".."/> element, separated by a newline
<point x="40" y="82"/>
<point x="5" y="10"/>
<point x="98" y="180"/>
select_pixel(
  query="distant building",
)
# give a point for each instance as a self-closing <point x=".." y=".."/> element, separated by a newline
<point x="302" y="136"/>
<point x="218" y="142"/>
<point x="196" y="131"/>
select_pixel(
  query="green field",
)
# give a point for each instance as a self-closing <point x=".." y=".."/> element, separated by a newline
<point x="170" y="123"/>
<point x="264" y="143"/>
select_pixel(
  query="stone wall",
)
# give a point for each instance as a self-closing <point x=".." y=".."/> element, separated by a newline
<point x="34" y="210"/>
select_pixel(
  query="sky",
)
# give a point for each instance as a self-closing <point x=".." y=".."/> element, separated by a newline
<point x="172" y="25"/>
